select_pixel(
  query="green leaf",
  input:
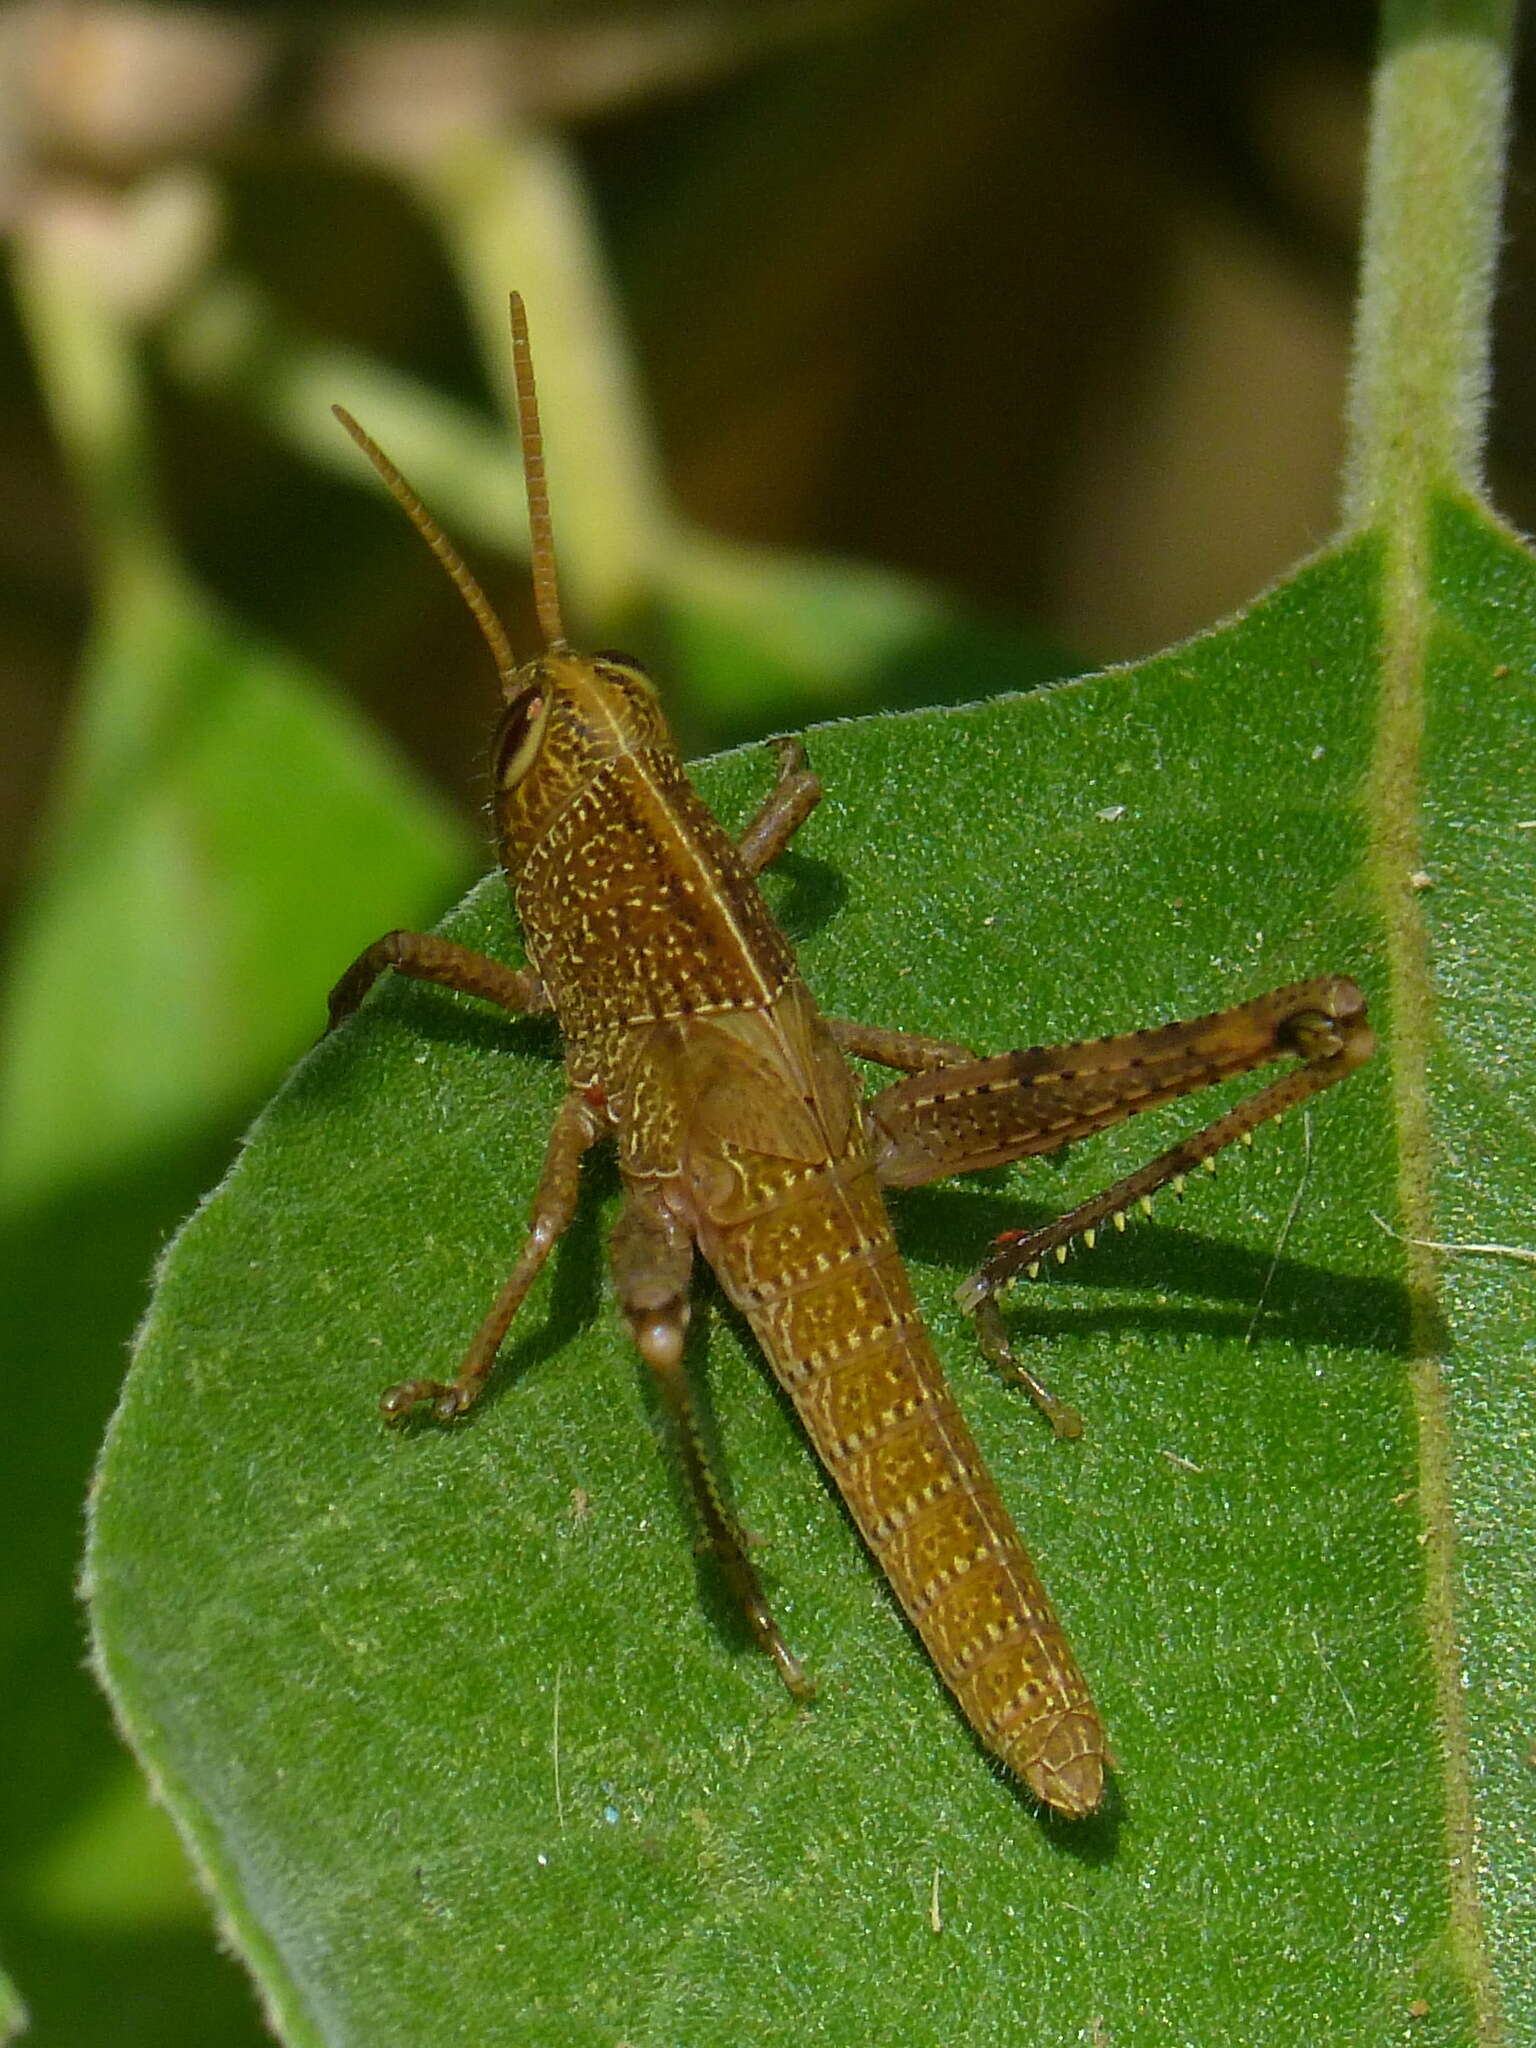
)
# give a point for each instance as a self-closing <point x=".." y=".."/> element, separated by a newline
<point x="450" y="1725"/>
<point x="204" y="853"/>
<point x="197" y="884"/>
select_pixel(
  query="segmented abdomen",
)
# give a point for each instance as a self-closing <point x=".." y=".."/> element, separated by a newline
<point x="816" y="1271"/>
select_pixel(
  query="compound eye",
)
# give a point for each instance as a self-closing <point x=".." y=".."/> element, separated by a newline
<point x="518" y="737"/>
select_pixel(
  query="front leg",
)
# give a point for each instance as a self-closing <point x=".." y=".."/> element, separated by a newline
<point x="793" y="797"/>
<point x="576" y="1127"/>
<point x="425" y="957"/>
<point x="652" y="1253"/>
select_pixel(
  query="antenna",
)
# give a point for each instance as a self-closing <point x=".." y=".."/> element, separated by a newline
<point x="546" y="586"/>
<point x="490" y="626"/>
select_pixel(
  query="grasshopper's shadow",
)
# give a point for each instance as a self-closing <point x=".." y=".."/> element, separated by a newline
<point x="1297" y="1300"/>
<point x="804" y="894"/>
<point x="434" y="1016"/>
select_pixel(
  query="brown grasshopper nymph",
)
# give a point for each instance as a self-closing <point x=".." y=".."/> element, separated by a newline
<point x="693" y="1043"/>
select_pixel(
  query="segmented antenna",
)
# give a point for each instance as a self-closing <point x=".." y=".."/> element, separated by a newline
<point x="490" y="626"/>
<point x="546" y="585"/>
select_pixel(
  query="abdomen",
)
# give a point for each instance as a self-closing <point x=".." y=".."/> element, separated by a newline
<point x="816" y="1271"/>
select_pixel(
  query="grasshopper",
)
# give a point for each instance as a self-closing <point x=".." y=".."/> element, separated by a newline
<point x="692" y="1040"/>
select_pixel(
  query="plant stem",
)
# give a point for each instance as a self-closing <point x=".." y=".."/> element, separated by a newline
<point x="1418" y="405"/>
<point x="1419" y="386"/>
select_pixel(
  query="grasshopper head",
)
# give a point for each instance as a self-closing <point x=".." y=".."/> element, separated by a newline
<point x="566" y="717"/>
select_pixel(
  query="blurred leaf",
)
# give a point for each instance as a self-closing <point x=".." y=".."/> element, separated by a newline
<point x="115" y="1869"/>
<point x="13" y="2014"/>
<point x="196" y="884"/>
<point x="800" y="634"/>
<point x="142" y="1973"/>
<point x="201" y="886"/>
<point x="456" y="1739"/>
